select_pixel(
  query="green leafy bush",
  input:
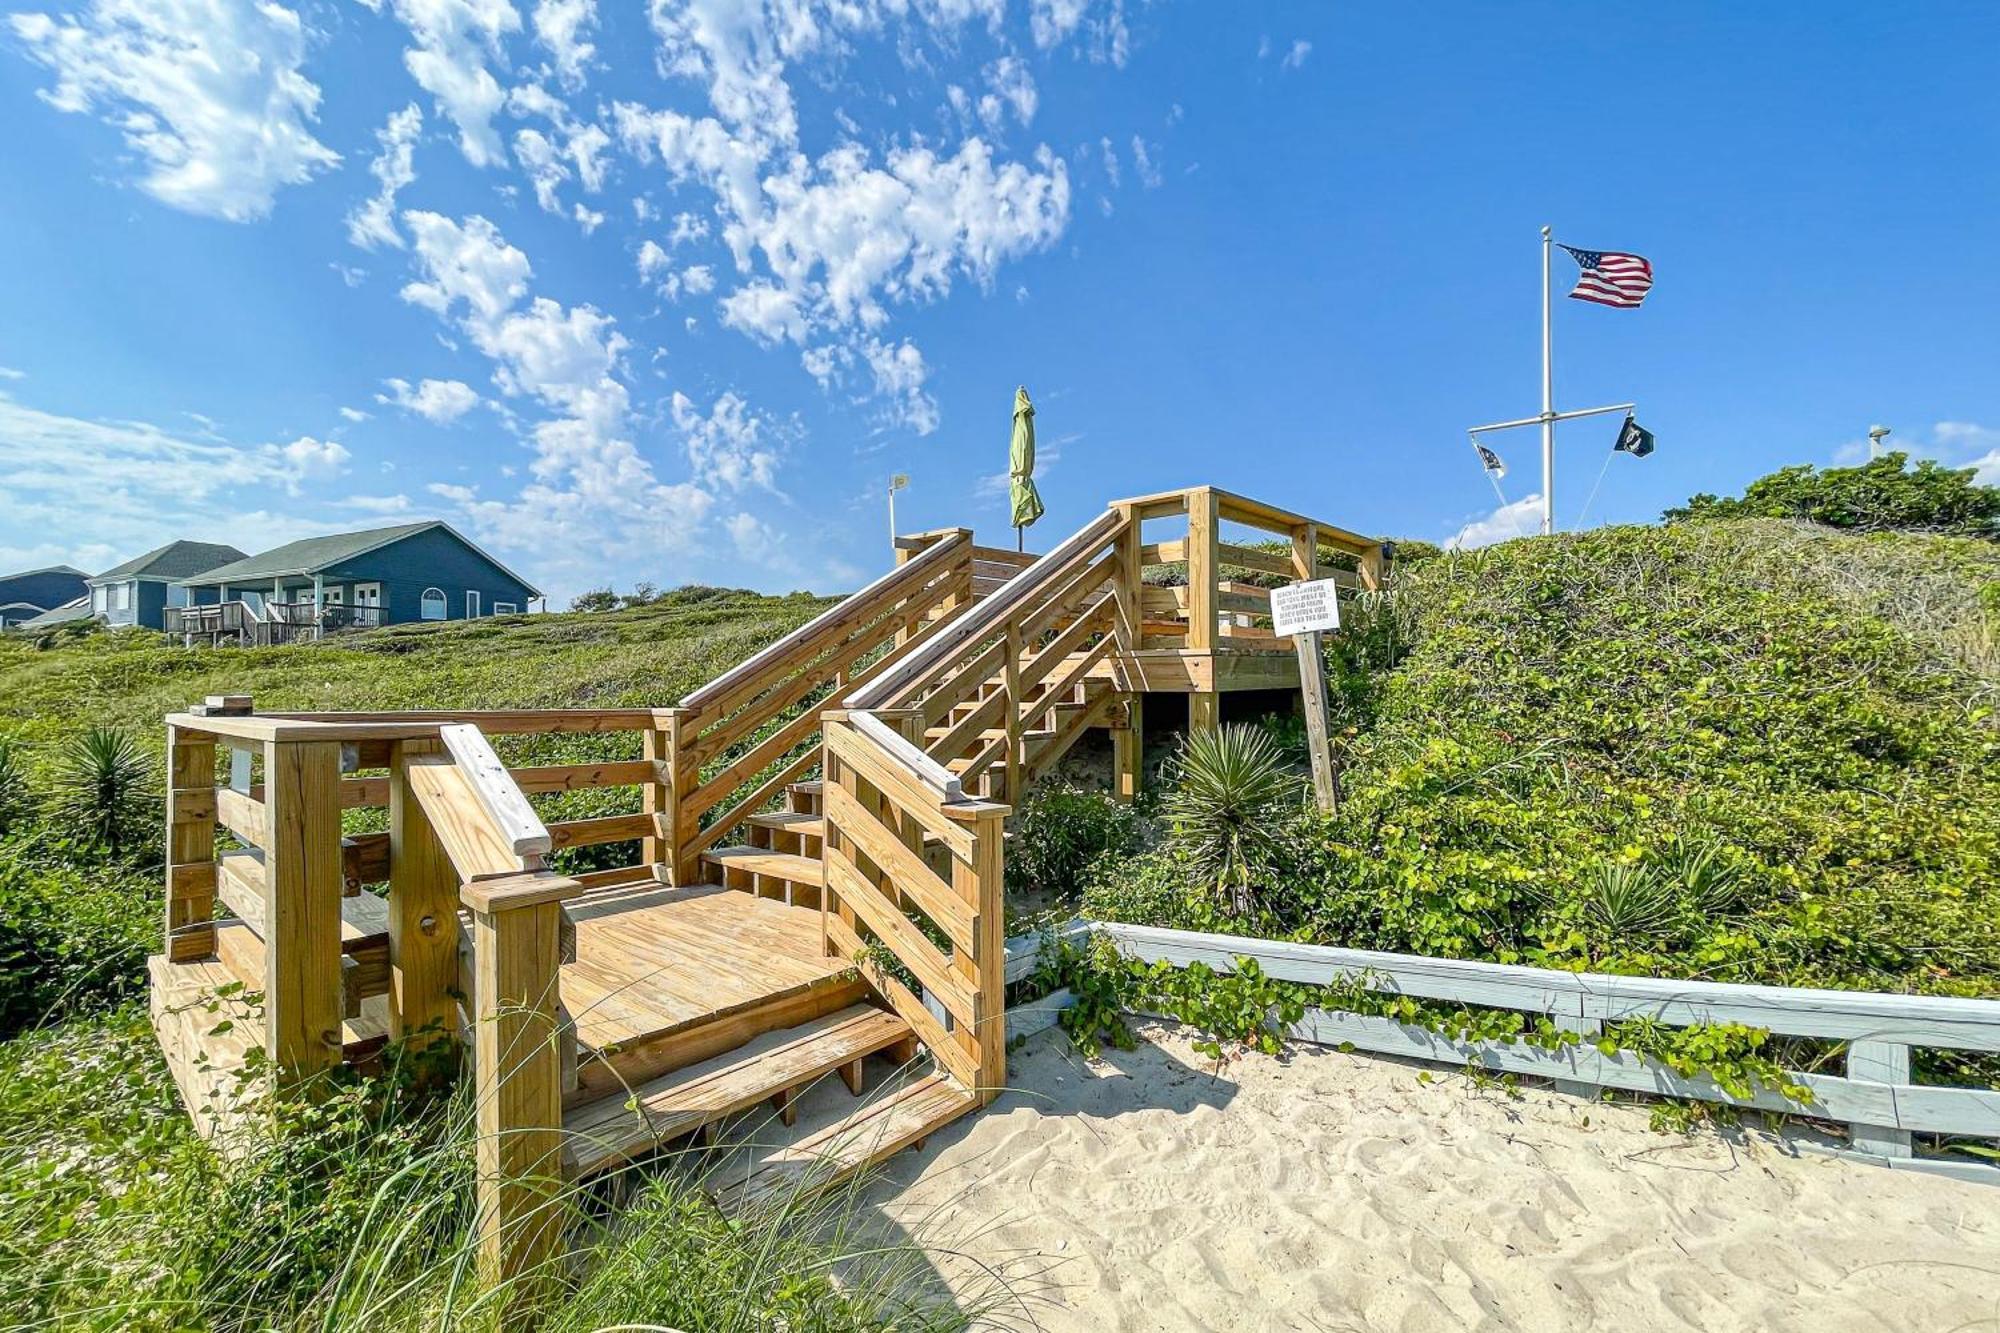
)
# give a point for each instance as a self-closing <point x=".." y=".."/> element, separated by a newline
<point x="71" y="939"/>
<point x="1059" y="831"/>
<point x="1738" y="752"/>
<point x="1881" y="494"/>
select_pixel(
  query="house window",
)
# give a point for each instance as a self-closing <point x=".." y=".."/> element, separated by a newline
<point x="506" y="609"/>
<point x="368" y="594"/>
<point x="100" y="600"/>
<point x="471" y="604"/>
<point x="124" y="591"/>
<point x="432" y="607"/>
<point x="179" y="596"/>
<point x="336" y="596"/>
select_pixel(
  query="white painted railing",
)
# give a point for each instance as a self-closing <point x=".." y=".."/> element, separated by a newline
<point x="1874" y="1097"/>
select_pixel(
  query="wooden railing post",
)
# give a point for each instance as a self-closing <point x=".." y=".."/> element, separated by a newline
<point x="1879" y="1062"/>
<point x="423" y="912"/>
<point x="981" y="882"/>
<point x="1128" y="750"/>
<point x="1203" y="534"/>
<point x="517" y="957"/>
<point x="675" y="825"/>
<point x="190" y="845"/>
<point x="302" y="886"/>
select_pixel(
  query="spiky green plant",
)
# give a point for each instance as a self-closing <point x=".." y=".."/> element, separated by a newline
<point x="104" y="787"/>
<point x="1224" y="808"/>
<point x="13" y="788"/>
<point x="1629" y="899"/>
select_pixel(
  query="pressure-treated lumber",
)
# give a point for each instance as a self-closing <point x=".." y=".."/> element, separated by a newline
<point x="613" y="1128"/>
<point x="302" y="892"/>
<point x="423" y="913"/>
<point x="478" y="850"/>
<point x="519" y="1102"/>
<point x="190" y="869"/>
<point x="878" y="1130"/>
<point x="514" y="822"/>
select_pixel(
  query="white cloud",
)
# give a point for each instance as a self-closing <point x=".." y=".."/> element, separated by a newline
<point x="454" y="39"/>
<point x="1520" y="518"/>
<point x="307" y="459"/>
<point x="592" y="496"/>
<point x="588" y="219"/>
<point x="559" y="27"/>
<point x="376" y="504"/>
<point x="1142" y="162"/>
<point x="729" y="447"/>
<point x="209" y="93"/>
<point x="373" y="222"/>
<point x="1297" y="55"/>
<point x="1110" y="156"/>
<point x="899" y="373"/>
<point x="1013" y="88"/>
<point x="1107" y="40"/>
<point x="353" y="414"/>
<point x="439" y="402"/>
<point x="9" y="373"/>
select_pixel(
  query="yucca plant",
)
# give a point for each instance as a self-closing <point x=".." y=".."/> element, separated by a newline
<point x="104" y="787"/>
<point x="1631" y="899"/>
<point x="13" y="788"/>
<point x="1224" y="806"/>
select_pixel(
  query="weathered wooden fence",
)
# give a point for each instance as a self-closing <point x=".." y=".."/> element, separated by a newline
<point x="1874" y="1097"/>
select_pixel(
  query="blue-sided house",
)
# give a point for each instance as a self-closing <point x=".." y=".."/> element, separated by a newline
<point x="385" y="576"/>
<point x="35" y="592"/>
<point x="139" y="591"/>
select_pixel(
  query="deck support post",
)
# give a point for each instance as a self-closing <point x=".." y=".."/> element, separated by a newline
<point x="302" y="884"/>
<point x="423" y="913"/>
<point x="190" y="845"/>
<point x="1128" y="750"/>
<point x="981" y="883"/>
<point x="517" y="956"/>
<point x="666" y="799"/>
<point x="1204" y="706"/>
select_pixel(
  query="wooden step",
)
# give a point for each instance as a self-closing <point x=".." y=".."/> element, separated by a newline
<point x="614" y="1128"/>
<point x="789" y="831"/>
<point x="804" y="797"/>
<point x="769" y="874"/>
<point x="878" y="1130"/>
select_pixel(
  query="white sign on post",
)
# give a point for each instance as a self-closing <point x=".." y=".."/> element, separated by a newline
<point x="1305" y="608"/>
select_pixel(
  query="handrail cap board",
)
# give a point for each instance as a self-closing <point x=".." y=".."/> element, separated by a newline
<point x="527" y="890"/>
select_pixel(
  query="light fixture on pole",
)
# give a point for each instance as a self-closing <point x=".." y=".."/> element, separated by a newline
<point x="1876" y="434"/>
<point x="896" y="483"/>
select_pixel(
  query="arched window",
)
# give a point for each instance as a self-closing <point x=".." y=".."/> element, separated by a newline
<point x="432" y="607"/>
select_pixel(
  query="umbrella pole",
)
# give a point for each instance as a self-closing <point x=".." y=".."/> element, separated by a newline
<point x="1020" y="540"/>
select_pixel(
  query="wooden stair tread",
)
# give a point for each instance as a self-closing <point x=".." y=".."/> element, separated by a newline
<point x="763" y="861"/>
<point x="789" y="821"/>
<point x="878" y="1130"/>
<point x="605" y="1132"/>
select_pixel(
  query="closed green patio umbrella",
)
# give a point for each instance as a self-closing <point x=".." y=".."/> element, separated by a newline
<point x="1027" y="501"/>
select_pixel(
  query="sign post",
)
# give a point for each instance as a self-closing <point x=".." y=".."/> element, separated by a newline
<point x="1305" y="611"/>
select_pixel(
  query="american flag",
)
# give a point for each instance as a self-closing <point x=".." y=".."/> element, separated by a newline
<point x="1611" y="278"/>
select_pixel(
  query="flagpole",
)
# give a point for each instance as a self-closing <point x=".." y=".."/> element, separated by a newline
<point x="1548" y="396"/>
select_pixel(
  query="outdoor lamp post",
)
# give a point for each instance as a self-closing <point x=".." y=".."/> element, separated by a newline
<point x="1876" y="434"/>
<point x="896" y="483"/>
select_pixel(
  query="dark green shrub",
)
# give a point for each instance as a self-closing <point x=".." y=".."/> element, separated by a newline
<point x="70" y="940"/>
<point x="1059" y="831"/>
<point x="14" y="801"/>
<point x="1879" y="495"/>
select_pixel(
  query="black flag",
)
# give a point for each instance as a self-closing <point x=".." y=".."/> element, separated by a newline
<point x="1633" y="439"/>
<point x="1490" y="460"/>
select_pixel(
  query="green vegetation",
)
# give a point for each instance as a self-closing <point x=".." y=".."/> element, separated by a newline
<point x="113" y="1215"/>
<point x="1745" y="751"/>
<point x="1059" y="832"/>
<point x="1881" y="495"/>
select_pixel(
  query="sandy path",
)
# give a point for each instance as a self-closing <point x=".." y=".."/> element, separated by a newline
<point x="1329" y="1191"/>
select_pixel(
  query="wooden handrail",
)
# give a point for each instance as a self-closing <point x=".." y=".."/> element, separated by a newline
<point x="910" y="575"/>
<point x="986" y="617"/>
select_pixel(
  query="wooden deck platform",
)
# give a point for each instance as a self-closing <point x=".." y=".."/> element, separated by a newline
<point x="664" y="977"/>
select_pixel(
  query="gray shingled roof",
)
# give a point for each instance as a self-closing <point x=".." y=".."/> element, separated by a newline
<point x="175" y="560"/>
<point x="316" y="554"/>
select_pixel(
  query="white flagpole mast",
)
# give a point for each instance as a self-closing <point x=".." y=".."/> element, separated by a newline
<point x="1548" y="396"/>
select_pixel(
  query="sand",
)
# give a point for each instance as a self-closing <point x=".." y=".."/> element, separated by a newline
<point x="1330" y="1191"/>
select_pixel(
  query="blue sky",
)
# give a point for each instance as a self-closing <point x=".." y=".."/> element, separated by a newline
<point x="667" y="293"/>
